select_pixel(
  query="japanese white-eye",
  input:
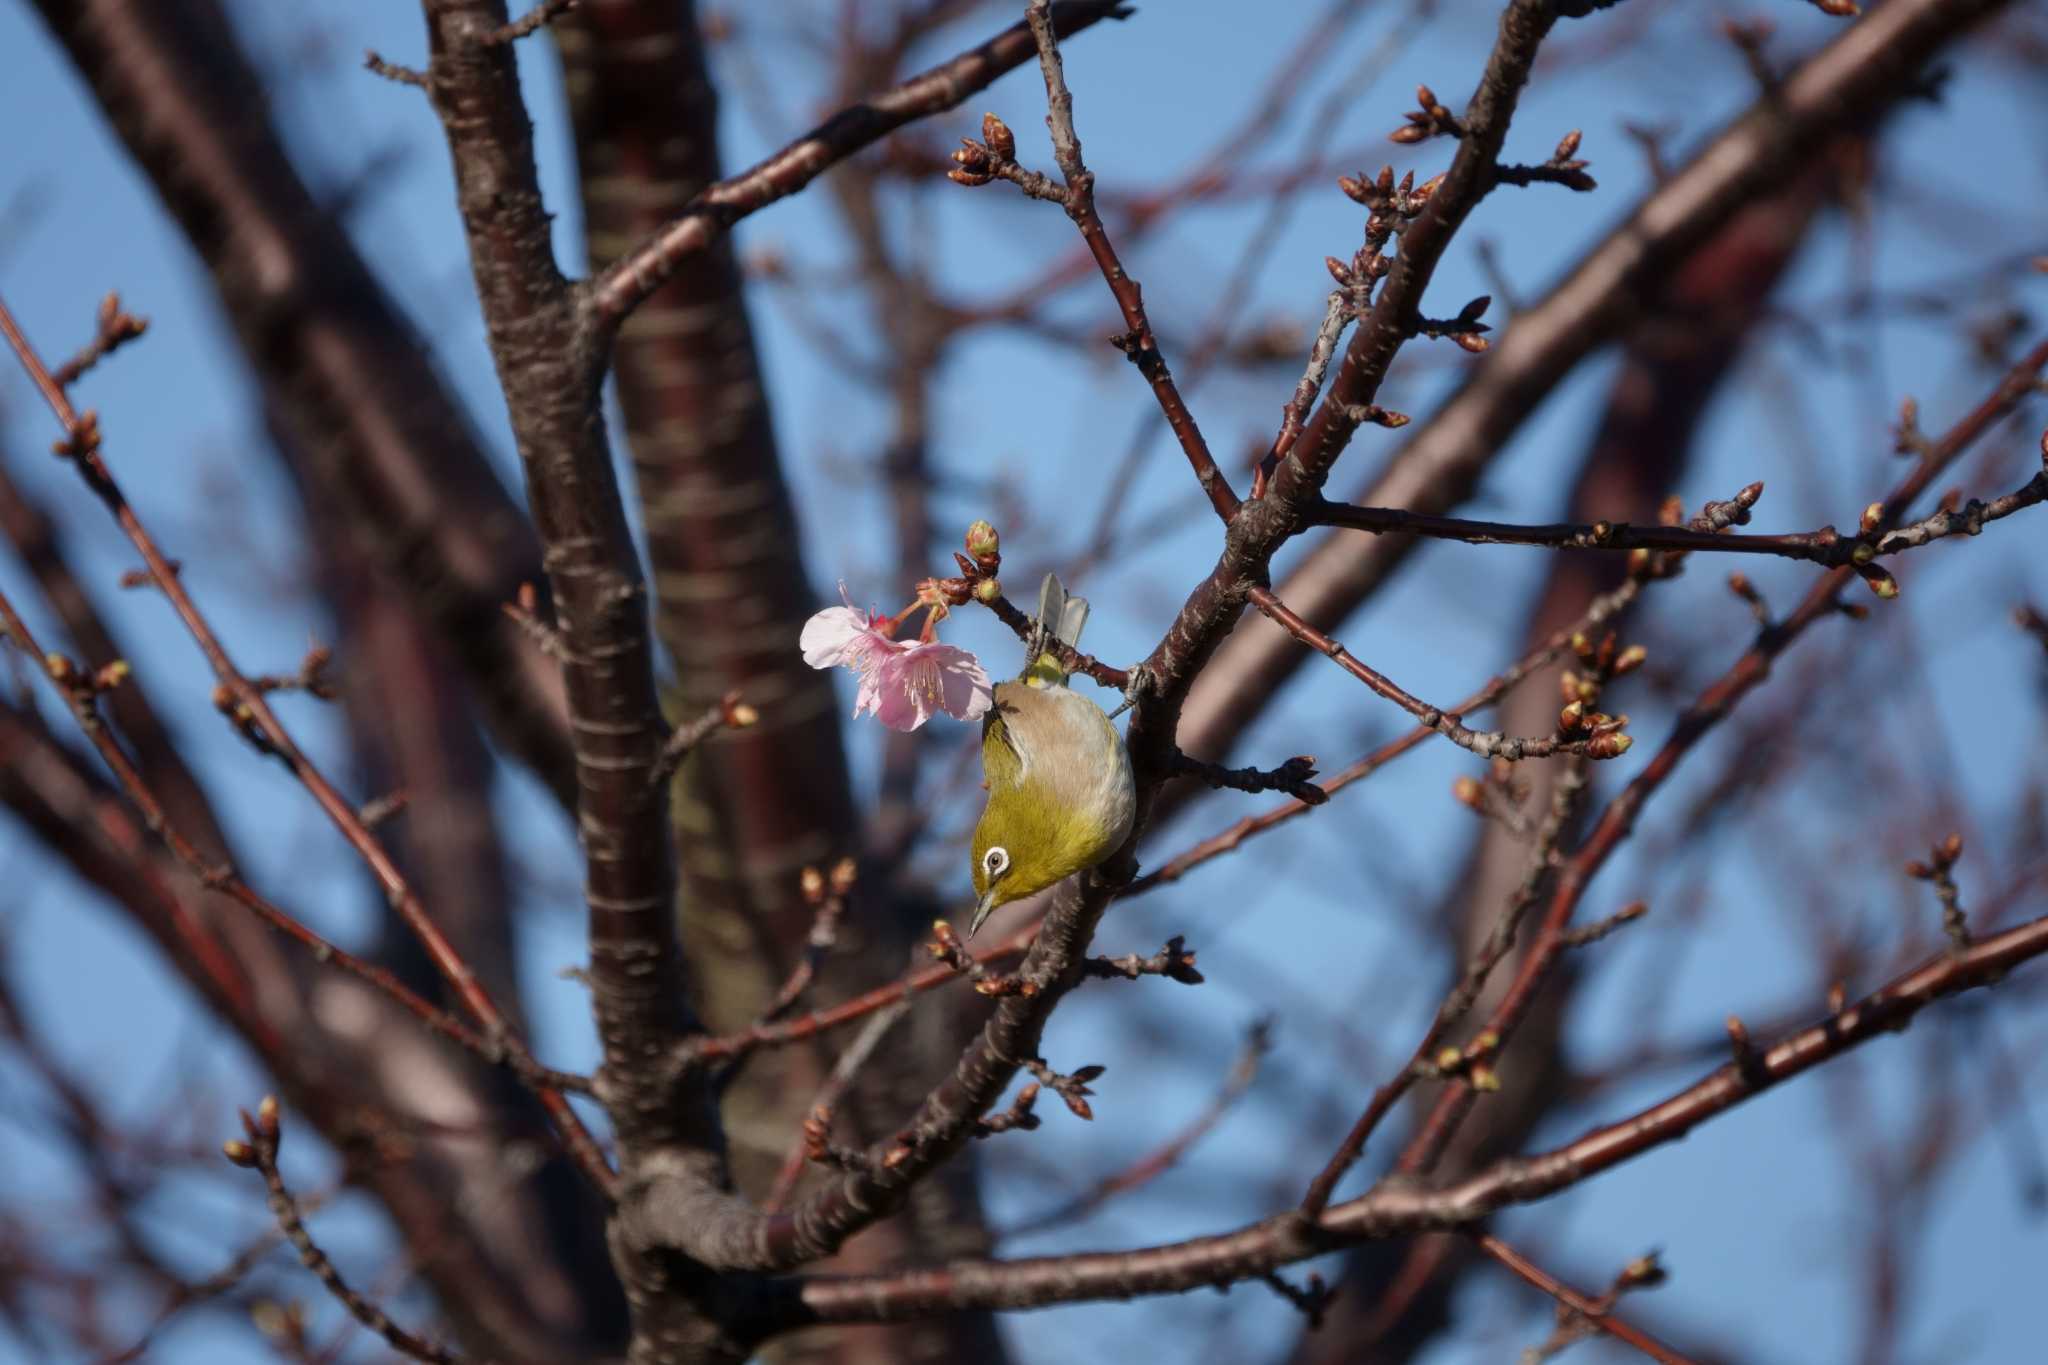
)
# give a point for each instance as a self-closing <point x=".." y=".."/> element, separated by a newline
<point x="1060" y="795"/>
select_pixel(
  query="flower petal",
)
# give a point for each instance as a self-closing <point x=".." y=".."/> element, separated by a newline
<point x="831" y="635"/>
<point x="964" y="686"/>
<point x="893" y="694"/>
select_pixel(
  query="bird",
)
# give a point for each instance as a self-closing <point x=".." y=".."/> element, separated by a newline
<point x="1060" y="793"/>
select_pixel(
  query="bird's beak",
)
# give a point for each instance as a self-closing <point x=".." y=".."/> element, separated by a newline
<point x="982" y="909"/>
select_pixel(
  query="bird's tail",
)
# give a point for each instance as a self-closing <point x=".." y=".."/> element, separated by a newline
<point x="1061" y="617"/>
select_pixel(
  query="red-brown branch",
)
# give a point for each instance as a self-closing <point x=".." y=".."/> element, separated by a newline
<point x="621" y="287"/>
<point x="81" y="446"/>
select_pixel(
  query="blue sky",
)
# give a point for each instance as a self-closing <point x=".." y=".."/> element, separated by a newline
<point x="1758" y="1215"/>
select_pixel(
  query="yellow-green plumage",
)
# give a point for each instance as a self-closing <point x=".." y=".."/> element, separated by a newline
<point x="1060" y="795"/>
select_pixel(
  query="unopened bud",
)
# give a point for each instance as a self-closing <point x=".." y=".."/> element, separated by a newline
<point x="1950" y="849"/>
<point x="1484" y="1078"/>
<point x="813" y="883"/>
<point x="1468" y="792"/>
<point x="1671" y="512"/>
<point x="1873" y="517"/>
<point x="987" y="590"/>
<point x="1339" y="271"/>
<point x="1425" y="96"/>
<point x="1471" y="341"/>
<point x="1567" y="146"/>
<point x="1880" y="580"/>
<point x="1612" y="744"/>
<point x="983" y="543"/>
<point x="239" y="1152"/>
<point x="1629" y="660"/>
<point x="1572" y="717"/>
<point x="1408" y="132"/>
<point x="266" y="1116"/>
<point x="998" y="136"/>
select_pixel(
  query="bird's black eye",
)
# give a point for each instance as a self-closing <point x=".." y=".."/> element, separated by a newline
<point x="996" y="862"/>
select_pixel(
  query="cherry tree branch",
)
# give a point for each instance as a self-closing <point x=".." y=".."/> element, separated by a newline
<point x="81" y="446"/>
<point x="1866" y="69"/>
<point x="1401" y="1208"/>
<point x="1824" y="546"/>
<point x="626" y="282"/>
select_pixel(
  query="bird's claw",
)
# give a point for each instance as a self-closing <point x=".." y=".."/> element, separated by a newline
<point x="1136" y="683"/>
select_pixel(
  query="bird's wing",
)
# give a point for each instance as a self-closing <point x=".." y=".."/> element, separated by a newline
<point x="1001" y="755"/>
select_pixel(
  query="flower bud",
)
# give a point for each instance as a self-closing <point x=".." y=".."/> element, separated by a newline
<point x="1873" y="517"/>
<point x="1613" y="744"/>
<point x="1567" y="146"/>
<point x="239" y="1152"/>
<point x="987" y="590"/>
<point x="1468" y="793"/>
<point x="1629" y="660"/>
<point x="1880" y="580"/>
<point x="998" y="136"/>
<point x="984" y="544"/>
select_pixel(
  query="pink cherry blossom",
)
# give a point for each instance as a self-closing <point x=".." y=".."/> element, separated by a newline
<point x="901" y="682"/>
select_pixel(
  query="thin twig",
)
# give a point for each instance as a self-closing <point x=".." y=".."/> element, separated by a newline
<point x="831" y="1092"/>
<point x="1231" y="838"/>
<point x="727" y="713"/>
<point x="1825" y="546"/>
<point x="116" y="328"/>
<point x="535" y="19"/>
<point x="1597" y="1313"/>
<point x="259" y="1153"/>
<point x="1137" y="343"/>
<point x="82" y="447"/>
<point x="1603" y="743"/>
<point x="1168" y="1154"/>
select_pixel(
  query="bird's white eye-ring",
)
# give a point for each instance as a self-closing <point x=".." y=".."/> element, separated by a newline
<point x="995" y="862"/>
